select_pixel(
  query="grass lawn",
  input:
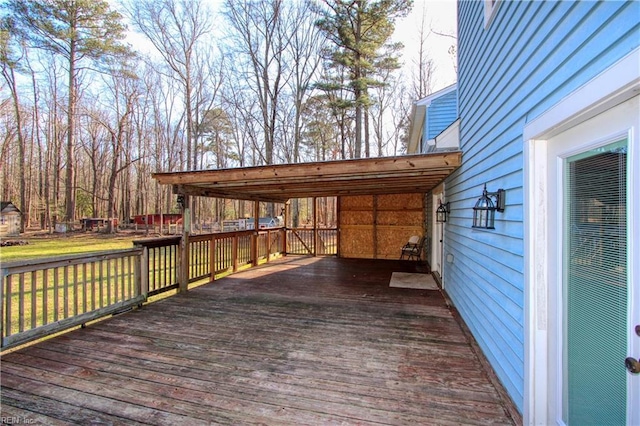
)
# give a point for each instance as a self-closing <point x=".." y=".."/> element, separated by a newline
<point x="60" y="245"/>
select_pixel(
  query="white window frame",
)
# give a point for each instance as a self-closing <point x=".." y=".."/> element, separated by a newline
<point x="490" y="9"/>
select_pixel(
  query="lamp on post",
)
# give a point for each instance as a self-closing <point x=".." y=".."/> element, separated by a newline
<point x="485" y="209"/>
<point x="442" y="212"/>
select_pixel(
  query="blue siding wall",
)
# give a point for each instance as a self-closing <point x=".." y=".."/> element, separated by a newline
<point x="441" y="113"/>
<point x="532" y="55"/>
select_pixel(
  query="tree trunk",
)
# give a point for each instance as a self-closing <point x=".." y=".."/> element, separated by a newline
<point x="24" y="208"/>
<point x="367" y="149"/>
<point x="358" y="126"/>
<point x="70" y="191"/>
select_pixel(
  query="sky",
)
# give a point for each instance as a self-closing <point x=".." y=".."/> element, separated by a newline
<point x="441" y="17"/>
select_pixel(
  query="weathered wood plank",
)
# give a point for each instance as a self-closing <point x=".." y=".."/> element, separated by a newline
<point x="17" y="404"/>
<point x="302" y="341"/>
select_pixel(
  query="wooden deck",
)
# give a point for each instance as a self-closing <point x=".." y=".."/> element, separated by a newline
<point x="302" y="341"/>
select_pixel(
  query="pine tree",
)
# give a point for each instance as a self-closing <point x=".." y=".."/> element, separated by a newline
<point x="358" y="30"/>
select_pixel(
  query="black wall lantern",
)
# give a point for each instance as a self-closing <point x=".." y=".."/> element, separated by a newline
<point x="485" y="209"/>
<point x="442" y="212"/>
<point x="181" y="201"/>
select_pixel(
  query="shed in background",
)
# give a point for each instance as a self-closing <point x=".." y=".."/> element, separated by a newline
<point x="9" y="219"/>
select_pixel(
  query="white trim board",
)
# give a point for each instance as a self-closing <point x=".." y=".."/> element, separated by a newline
<point x="615" y="85"/>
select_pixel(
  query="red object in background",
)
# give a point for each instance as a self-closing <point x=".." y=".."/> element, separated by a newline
<point x="154" y="219"/>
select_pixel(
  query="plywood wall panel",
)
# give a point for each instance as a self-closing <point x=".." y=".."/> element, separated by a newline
<point x="400" y="201"/>
<point x="358" y="217"/>
<point x="378" y="226"/>
<point x="357" y="242"/>
<point x="391" y="239"/>
<point x="357" y="202"/>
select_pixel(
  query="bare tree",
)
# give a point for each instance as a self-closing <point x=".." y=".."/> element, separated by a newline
<point x="423" y="67"/>
<point x="76" y="31"/>
<point x="175" y="28"/>
<point x="260" y="40"/>
<point x="304" y="51"/>
<point x="9" y="60"/>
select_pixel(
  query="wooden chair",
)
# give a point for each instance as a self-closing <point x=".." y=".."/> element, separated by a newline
<point x="413" y="248"/>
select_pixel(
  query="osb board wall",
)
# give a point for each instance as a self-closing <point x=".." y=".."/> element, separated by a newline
<point x="376" y="227"/>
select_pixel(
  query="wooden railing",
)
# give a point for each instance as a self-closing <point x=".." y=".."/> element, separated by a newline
<point x="162" y="262"/>
<point x="309" y="241"/>
<point x="44" y="296"/>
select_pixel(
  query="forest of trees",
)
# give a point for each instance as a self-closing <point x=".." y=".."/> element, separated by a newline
<point x="87" y="116"/>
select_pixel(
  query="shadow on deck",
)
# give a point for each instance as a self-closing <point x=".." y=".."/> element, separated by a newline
<point x="299" y="341"/>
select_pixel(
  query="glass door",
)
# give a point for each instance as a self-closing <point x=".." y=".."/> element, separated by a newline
<point x="595" y="287"/>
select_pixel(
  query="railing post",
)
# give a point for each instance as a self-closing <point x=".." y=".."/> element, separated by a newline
<point x="234" y="252"/>
<point x="284" y="241"/>
<point x="144" y="272"/>
<point x="268" y="245"/>
<point x="254" y="249"/>
<point x="212" y="257"/>
<point x="184" y="263"/>
<point x="2" y="302"/>
<point x="184" y="250"/>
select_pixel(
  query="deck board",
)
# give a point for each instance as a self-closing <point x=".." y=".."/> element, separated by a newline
<point x="302" y="341"/>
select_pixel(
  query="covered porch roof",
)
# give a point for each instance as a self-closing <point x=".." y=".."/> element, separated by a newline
<point x="279" y="183"/>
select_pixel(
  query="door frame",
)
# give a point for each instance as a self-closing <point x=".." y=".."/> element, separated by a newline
<point x="437" y="234"/>
<point x="617" y="84"/>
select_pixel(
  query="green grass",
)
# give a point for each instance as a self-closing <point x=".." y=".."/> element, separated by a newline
<point x="63" y="245"/>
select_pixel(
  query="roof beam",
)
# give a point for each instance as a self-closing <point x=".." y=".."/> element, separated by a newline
<point x="278" y="183"/>
<point x="315" y="170"/>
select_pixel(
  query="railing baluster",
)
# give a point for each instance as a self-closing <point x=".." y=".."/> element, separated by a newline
<point x="157" y="271"/>
<point x="93" y="286"/>
<point x="56" y="294"/>
<point x="34" y="298"/>
<point x="131" y="276"/>
<point x="75" y="289"/>
<point x="121" y="280"/>
<point x="101" y="282"/>
<point x="65" y="291"/>
<point x="21" y="303"/>
<point x="8" y="329"/>
<point x="84" y="288"/>
<point x="109" y="299"/>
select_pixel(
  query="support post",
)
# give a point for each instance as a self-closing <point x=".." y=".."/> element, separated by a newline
<point x="256" y="215"/>
<point x="287" y="214"/>
<point x="212" y="258"/>
<point x="234" y="252"/>
<point x="184" y="247"/>
<point x="254" y="236"/>
<point x="375" y="226"/>
<point x="338" y="225"/>
<point x="144" y="272"/>
<point x="315" y="226"/>
<point x="268" y="245"/>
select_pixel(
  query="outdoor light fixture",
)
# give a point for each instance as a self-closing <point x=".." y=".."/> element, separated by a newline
<point x="442" y="212"/>
<point x="180" y="200"/>
<point x="485" y="209"/>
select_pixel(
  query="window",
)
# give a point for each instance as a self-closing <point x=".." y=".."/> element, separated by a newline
<point x="490" y="8"/>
